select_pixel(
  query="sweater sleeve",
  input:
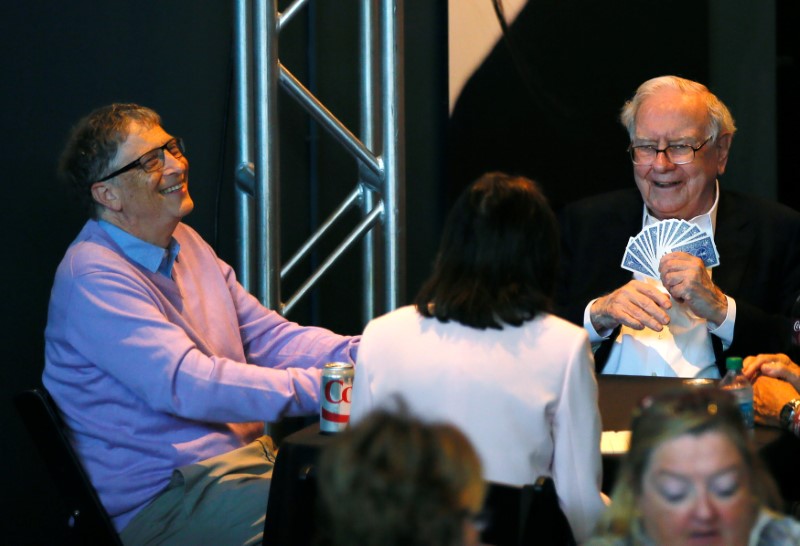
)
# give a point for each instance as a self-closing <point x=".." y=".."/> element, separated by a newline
<point x="117" y="325"/>
<point x="271" y="340"/>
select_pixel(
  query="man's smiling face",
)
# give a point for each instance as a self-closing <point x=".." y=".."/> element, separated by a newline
<point x="148" y="205"/>
<point x="671" y="117"/>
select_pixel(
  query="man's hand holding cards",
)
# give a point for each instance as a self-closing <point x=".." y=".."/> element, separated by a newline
<point x="643" y="253"/>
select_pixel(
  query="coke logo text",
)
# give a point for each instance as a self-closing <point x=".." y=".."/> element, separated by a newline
<point x="344" y="392"/>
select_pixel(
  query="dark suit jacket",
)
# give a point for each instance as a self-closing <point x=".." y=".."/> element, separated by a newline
<point x="759" y="247"/>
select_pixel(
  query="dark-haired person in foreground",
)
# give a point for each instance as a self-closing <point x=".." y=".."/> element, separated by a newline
<point x="479" y="349"/>
<point x="163" y="366"/>
<point x="394" y="480"/>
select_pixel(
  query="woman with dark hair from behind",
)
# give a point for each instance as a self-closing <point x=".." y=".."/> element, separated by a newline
<point x="481" y="350"/>
<point x="393" y="480"/>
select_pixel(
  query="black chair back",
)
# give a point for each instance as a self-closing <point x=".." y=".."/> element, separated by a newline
<point x="86" y="521"/>
<point x="527" y="515"/>
<point x="292" y="511"/>
<point x="291" y="506"/>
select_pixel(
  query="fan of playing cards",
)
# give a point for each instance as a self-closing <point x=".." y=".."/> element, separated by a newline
<point x="646" y="249"/>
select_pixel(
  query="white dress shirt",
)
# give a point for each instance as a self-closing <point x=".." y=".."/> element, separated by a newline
<point x="683" y="348"/>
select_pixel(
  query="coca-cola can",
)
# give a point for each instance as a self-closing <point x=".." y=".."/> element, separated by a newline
<point x="334" y="396"/>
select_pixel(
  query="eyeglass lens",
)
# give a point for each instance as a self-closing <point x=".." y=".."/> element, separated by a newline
<point x="154" y="160"/>
<point x="677" y="154"/>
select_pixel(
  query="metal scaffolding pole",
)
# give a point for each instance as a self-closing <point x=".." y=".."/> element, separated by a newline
<point x="244" y="208"/>
<point x="392" y="113"/>
<point x="379" y="192"/>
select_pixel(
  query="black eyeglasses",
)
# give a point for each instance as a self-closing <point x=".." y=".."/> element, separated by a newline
<point x="153" y="160"/>
<point x="678" y="154"/>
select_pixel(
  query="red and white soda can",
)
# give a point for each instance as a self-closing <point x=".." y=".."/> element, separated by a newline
<point x="334" y="396"/>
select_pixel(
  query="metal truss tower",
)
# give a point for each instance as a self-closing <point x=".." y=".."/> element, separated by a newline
<point x="379" y="191"/>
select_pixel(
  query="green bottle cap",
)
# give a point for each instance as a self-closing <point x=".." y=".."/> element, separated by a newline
<point x="733" y="363"/>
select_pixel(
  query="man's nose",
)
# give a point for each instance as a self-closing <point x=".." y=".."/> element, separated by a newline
<point x="661" y="161"/>
<point x="174" y="164"/>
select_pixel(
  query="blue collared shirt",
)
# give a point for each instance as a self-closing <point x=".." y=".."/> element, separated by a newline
<point x="151" y="257"/>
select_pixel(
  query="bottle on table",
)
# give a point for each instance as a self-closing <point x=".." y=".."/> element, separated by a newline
<point x="736" y="382"/>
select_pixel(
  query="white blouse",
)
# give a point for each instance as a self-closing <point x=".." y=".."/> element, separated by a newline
<point x="525" y="396"/>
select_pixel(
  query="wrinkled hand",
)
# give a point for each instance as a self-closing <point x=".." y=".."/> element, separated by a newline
<point x="769" y="396"/>
<point x="686" y="279"/>
<point x="637" y="305"/>
<point x="778" y="366"/>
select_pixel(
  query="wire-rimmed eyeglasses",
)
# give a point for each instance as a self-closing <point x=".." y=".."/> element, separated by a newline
<point x="677" y="154"/>
<point x="153" y="160"/>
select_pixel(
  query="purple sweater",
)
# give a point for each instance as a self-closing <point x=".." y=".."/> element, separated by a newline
<point x="152" y="373"/>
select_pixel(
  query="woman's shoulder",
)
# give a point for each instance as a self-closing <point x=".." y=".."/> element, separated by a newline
<point x="559" y="325"/>
<point x="402" y="315"/>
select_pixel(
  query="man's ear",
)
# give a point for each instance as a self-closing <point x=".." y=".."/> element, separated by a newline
<point x="724" y="146"/>
<point x="107" y="194"/>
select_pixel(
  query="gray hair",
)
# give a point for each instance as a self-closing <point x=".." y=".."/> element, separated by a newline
<point x="720" y="119"/>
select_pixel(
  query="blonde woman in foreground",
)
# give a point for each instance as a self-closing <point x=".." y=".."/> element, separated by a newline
<point x="692" y="477"/>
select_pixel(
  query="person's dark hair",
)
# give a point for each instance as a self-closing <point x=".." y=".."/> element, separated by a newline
<point x="498" y="256"/>
<point x="392" y="480"/>
<point x="93" y="143"/>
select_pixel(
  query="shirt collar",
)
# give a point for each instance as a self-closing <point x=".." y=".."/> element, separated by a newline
<point x="706" y="220"/>
<point x="153" y="258"/>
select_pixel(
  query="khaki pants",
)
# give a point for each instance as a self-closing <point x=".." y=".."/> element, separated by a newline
<point x="220" y="501"/>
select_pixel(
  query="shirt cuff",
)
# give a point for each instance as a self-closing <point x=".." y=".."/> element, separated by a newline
<point x="725" y="330"/>
<point x="594" y="335"/>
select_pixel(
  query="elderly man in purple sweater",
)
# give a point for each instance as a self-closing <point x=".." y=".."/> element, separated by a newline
<point x="163" y="366"/>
